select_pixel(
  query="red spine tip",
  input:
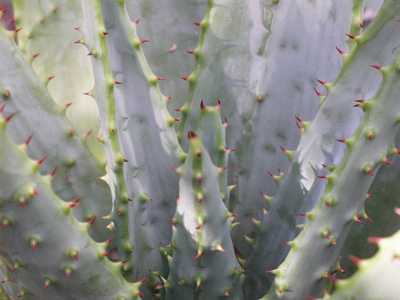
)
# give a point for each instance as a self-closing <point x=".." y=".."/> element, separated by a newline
<point x="318" y="93"/>
<point x="88" y="134"/>
<point x="355" y="260"/>
<point x="74" y="202"/>
<point x="202" y="105"/>
<point x="397" y="211"/>
<point x="191" y="135"/>
<point x="143" y="41"/>
<point x="10" y="117"/>
<point x="172" y="49"/>
<point x="340" y="51"/>
<point x="53" y="173"/>
<point x="28" y="140"/>
<point x="374" y="240"/>
<point x="342" y="140"/>
<point x="34" y="56"/>
<point x="42" y="160"/>
<point x="376" y="66"/>
<point x="91" y="220"/>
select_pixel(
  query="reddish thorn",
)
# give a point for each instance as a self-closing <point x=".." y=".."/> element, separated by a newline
<point x="18" y="29"/>
<point x="358" y="103"/>
<point x="340" y="51"/>
<point x="104" y="33"/>
<point x="317" y="92"/>
<point x="117" y="82"/>
<point x="350" y="36"/>
<point x="355" y="260"/>
<point x="342" y="140"/>
<point x="178" y="109"/>
<point x="168" y="98"/>
<point x="67" y="105"/>
<point x="9" y="118"/>
<point x="357" y="219"/>
<point x="172" y="49"/>
<point x="322" y="82"/>
<point x="387" y="162"/>
<point x="161" y="78"/>
<point x="46" y="284"/>
<point x="34" y="245"/>
<point x="219" y="103"/>
<point x="42" y="160"/>
<point x="91" y="220"/>
<point x="34" y="56"/>
<point x="202" y="105"/>
<point x="229" y="150"/>
<point x="137" y="21"/>
<point x="322" y="177"/>
<point x="196" y="24"/>
<point x="51" y="77"/>
<point x="28" y="140"/>
<point x="2" y="107"/>
<point x="189" y="51"/>
<point x="74" y="202"/>
<point x="184" y="77"/>
<point x="77" y="28"/>
<point x="397" y="211"/>
<point x="89" y="93"/>
<point x="191" y="135"/>
<point x="225" y="123"/>
<point x="89" y="133"/>
<point x="299" y="119"/>
<point x="53" y="173"/>
<point x="374" y="240"/>
<point x="143" y="41"/>
<point x="376" y="66"/>
<point x="35" y="193"/>
<point x="369" y="195"/>
<point x="301" y="215"/>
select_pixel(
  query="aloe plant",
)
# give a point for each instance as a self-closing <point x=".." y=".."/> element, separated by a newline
<point x="219" y="149"/>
